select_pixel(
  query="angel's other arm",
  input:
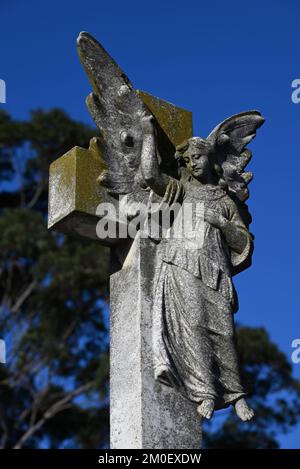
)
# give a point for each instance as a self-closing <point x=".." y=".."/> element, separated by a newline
<point x="234" y="230"/>
<point x="154" y="178"/>
<point x="237" y="237"/>
<point x="232" y="227"/>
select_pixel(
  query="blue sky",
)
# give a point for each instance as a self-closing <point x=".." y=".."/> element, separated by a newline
<point x="214" y="58"/>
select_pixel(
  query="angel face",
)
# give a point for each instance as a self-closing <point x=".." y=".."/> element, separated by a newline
<point x="197" y="159"/>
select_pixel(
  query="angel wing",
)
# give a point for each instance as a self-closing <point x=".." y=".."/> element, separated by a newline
<point x="116" y="109"/>
<point x="229" y="140"/>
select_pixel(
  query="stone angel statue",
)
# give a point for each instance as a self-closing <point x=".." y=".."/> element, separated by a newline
<point x="194" y="299"/>
<point x="195" y="348"/>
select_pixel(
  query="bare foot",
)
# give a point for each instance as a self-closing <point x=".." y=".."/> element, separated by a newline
<point x="206" y="408"/>
<point x="243" y="411"/>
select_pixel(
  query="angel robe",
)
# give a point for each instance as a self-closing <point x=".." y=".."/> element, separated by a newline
<point x="193" y="328"/>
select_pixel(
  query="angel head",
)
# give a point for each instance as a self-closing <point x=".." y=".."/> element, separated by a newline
<point x="222" y="156"/>
<point x="198" y="156"/>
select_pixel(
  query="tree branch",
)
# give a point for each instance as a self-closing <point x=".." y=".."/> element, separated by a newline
<point x="54" y="409"/>
<point x="23" y="296"/>
<point x="36" y="195"/>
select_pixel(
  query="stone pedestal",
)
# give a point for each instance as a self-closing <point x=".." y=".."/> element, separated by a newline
<point x="144" y="413"/>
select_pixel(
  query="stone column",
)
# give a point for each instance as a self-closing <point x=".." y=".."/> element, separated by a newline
<point x="144" y="413"/>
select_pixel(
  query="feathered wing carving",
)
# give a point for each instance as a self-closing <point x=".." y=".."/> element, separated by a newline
<point x="116" y="109"/>
<point x="229" y="140"/>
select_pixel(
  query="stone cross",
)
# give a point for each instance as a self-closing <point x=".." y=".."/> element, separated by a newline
<point x="144" y="414"/>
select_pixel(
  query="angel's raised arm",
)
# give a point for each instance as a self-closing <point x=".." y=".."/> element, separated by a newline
<point x="151" y="173"/>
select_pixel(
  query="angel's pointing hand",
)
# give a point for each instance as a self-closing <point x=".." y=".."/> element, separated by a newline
<point x="147" y="122"/>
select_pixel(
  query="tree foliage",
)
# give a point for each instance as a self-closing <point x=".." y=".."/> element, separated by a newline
<point x="274" y="396"/>
<point x="54" y="295"/>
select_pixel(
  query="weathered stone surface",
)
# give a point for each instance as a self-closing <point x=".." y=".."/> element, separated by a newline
<point x="74" y="192"/>
<point x="144" y="413"/>
<point x="176" y="122"/>
<point x="74" y="188"/>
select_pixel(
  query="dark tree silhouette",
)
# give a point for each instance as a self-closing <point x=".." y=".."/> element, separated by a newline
<point x="54" y="297"/>
<point x="274" y="395"/>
